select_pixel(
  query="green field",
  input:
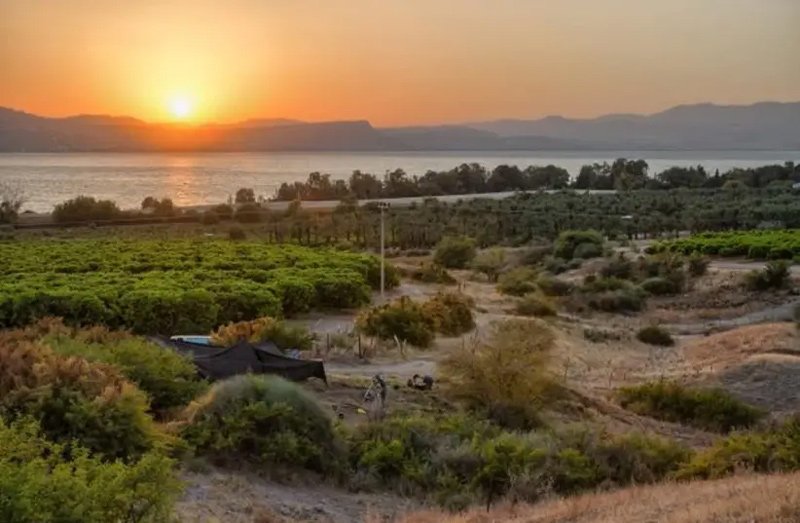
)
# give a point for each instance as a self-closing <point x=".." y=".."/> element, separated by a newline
<point x="176" y="286"/>
<point x="757" y="245"/>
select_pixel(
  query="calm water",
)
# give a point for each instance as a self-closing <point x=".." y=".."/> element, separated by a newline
<point x="202" y="178"/>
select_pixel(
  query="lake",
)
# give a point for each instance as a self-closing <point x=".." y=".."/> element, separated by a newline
<point x="206" y="178"/>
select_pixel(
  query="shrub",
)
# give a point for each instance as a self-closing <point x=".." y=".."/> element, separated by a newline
<point x="555" y="265"/>
<point x="618" y="267"/>
<point x="245" y="195"/>
<point x="535" y="305"/>
<point x="504" y="377"/>
<point x="85" y="209"/>
<point x="402" y="319"/>
<point x="455" y="252"/>
<point x="612" y="295"/>
<point x="73" y="399"/>
<point x="584" y="251"/>
<point x="264" y="419"/>
<point x="236" y="234"/>
<point x="518" y="282"/>
<point x="658" y="286"/>
<point x="774" y="276"/>
<point x="164" y="312"/>
<point x="433" y="273"/>
<point x="169" y="379"/>
<point x="450" y="312"/>
<point x="552" y="286"/>
<point x="709" y="409"/>
<point x="655" y="335"/>
<point x="697" y="264"/>
<point x="568" y="242"/>
<point x="600" y="335"/>
<point x="490" y="262"/>
<point x="45" y="482"/>
<point x="775" y="450"/>
<point x="264" y="329"/>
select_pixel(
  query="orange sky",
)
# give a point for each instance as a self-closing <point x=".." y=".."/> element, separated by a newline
<point x="393" y="61"/>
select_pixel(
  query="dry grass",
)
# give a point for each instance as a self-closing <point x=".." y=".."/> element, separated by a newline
<point x="742" y="499"/>
<point x="734" y="345"/>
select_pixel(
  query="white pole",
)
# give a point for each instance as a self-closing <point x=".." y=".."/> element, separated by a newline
<point x="383" y="277"/>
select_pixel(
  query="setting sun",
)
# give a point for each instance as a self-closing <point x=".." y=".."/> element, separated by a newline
<point x="180" y="107"/>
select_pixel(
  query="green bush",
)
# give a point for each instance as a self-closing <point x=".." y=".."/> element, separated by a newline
<point x="555" y="265"/>
<point x="451" y="313"/>
<point x="433" y="273"/>
<point x="44" y="482"/>
<point x="697" y="264"/>
<point x="403" y="319"/>
<point x="618" y="267"/>
<point x="655" y="335"/>
<point x="518" y="282"/>
<point x="283" y="335"/>
<point x="85" y="209"/>
<point x="265" y="419"/>
<point x="455" y="252"/>
<point x="621" y="300"/>
<point x="535" y="305"/>
<point x="169" y="379"/>
<point x="504" y="377"/>
<point x="163" y="312"/>
<point x="552" y="286"/>
<point x="490" y="262"/>
<point x="585" y="251"/>
<point x="774" y="276"/>
<point x="73" y="399"/>
<point x="709" y="409"/>
<point x="774" y="450"/>
<point x="658" y="286"/>
<point x="568" y="242"/>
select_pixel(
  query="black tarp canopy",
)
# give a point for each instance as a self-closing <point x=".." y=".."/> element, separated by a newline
<point x="217" y="363"/>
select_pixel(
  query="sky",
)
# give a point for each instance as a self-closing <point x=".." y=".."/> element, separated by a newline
<point x="393" y="62"/>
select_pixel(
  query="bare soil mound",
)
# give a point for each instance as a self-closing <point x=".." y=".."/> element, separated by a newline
<point x="742" y="499"/>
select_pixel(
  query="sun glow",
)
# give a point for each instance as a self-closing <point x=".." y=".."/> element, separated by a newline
<point x="181" y="107"/>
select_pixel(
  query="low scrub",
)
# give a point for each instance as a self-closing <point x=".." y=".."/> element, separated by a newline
<point x="403" y="320"/>
<point x="169" y="379"/>
<point x="451" y="313"/>
<point x="433" y="273"/>
<point x="612" y="295"/>
<point x="264" y="419"/>
<point x="45" y="482"/>
<point x="535" y="305"/>
<point x="578" y="244"/>
<point x="518" y="282"/>
<point x="73" y="399"/>
<point x="774" y="276"/>
<point x="455" y="252"/>
<point x="457" y="461"/>
<point x="708" y="409"/>
<point x="283" y="335"/>
<point x="773" y="450"/>
<point x="552" y="286"/>
<point x="697" y="264"/>
<point x="655" y="335"/>
<point x="505" y="377"/>
<point x="490" y="262"/>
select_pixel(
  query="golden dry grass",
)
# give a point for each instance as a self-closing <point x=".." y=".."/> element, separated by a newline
<point x="741" y="499"/>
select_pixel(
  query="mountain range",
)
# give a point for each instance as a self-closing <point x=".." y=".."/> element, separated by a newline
<point x="760" y="126"/>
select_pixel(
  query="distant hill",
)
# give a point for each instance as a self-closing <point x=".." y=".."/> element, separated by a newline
<point x="764" y="126"/>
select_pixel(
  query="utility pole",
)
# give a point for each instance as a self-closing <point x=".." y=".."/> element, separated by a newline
<point x="383" y="206"/>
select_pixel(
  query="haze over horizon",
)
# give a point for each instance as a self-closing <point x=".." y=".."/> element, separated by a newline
<point x="394" y="62"/>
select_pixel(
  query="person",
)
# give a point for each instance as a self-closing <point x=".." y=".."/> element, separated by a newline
<point x="421" y="382"/>
<point x="375" y="398"/>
